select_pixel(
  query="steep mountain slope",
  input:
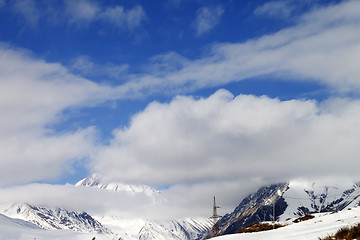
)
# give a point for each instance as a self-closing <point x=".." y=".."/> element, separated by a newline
<point x="17" y="229"/>
<point x="322" y="225"/>
<point x="56" y="218"/>
<point x="287" y="200"/>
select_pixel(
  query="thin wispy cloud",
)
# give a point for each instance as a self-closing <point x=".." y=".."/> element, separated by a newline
<point x="315" y="49"/>
<point x="122" y="18"/>
<point x="279" y="9"/>
<point x="86" y="11"/>
<point x="207" y="18"/>
<point x="80" y="13"/>
<point x="28" y="10"/>
<point x="85" y="66"/>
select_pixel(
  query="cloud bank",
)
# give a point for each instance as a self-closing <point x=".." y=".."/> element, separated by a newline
<point x="224" y="138"/>
<point x="227" y="146"/>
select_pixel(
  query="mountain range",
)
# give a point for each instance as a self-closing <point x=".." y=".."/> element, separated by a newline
<point x="278" y="202"/>
<point x="111" y="226"/>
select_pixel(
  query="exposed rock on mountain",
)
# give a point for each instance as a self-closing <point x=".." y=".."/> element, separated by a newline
<point x="287" y="200"/>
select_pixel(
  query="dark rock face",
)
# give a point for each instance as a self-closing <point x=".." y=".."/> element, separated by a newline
<point x="271" y="202"/>
<point x="254" y="208"/>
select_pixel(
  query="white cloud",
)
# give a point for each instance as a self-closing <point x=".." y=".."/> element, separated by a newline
<point x="33" y="96"/>
<point x="85" y="12"/>
<point x="223" y="145"/>
<point x="281" y="9"/>
<point x="92" y="200"/>
<point x="85" y="66"/>
<point x="82" y="11"/>
<point x="207" y="18"/>
<point x="223" y="138"/>
<point x="122" y="18"/>
<point x="28" y="10"/>
<point x="323" y="47"/>
<point x="79" y="13"/>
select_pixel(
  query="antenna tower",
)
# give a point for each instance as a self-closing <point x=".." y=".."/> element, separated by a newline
<point x="215" y="215"/>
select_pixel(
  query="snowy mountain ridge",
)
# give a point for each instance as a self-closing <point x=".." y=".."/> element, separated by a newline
<point x="321" y="226"/>
<point x="96" y="180"/>
<point x="288" y="200"/>
<point x="56" y="218"/>
<point x="109" y="226"/>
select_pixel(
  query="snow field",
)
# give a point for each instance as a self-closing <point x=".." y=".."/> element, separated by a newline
<point x="322" y="225"/>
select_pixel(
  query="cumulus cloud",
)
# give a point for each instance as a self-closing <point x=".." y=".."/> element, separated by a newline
<point x="225" y="144"/>
<point x="33" y="96"/>
<point x="222" y="136"/>
<point x="207" y="18"/>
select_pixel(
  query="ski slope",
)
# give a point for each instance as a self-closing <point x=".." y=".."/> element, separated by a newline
<point x="322" y="225"/>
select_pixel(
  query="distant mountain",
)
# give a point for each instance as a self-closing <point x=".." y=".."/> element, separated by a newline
<point x="95" y="180"/>
<point x="109" y="226"/>
<point x="56" y="218"/>
<point x="145" y="229"/>
<point x="176" y="229"/>
<point x="287" y="200"/>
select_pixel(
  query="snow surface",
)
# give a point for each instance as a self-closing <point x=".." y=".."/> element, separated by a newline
<point x="322" y="225"/>
<point x="316" y="196"/>
<point x="17" y="229"/>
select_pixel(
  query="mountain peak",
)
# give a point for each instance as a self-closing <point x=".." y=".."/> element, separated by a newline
<point x="91" y="181"/>
<point x="96" y="180"/>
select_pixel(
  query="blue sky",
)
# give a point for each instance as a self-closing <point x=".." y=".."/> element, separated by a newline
<point x="184" y="94"/>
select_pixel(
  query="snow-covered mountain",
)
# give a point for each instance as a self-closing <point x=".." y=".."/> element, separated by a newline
<point x="280" y="201"/>
<point x="321" y="226"/>
<point x="287" y="200"/>
<point x="145" y="229"/>
<point x="95" y="180"/>
<point x="56" y="218"/>
<point x="17" y="229"/>
<point x="111" y="225"/>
